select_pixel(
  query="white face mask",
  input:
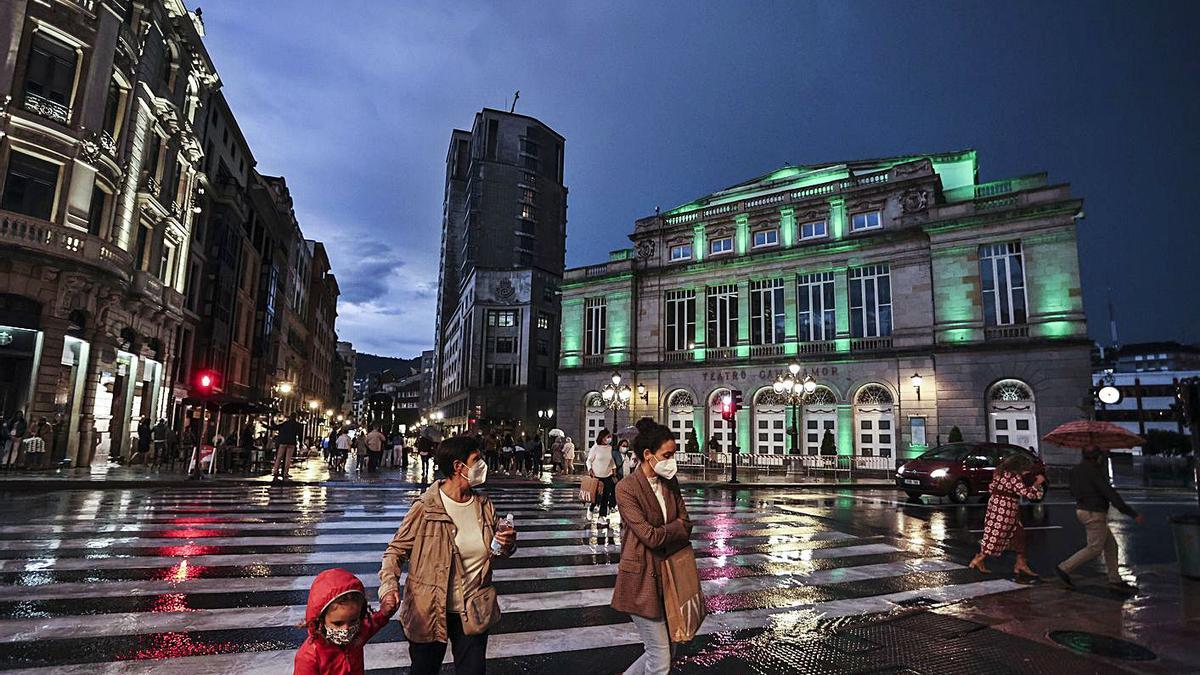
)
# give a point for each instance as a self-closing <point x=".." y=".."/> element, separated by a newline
<point x="341" y="636"/>
<point x="477" y="473"/>
<point x="666" y="468"/>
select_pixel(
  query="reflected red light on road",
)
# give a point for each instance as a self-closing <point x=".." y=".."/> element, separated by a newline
<point x="191" y="533"/>
<point x="181" y="572"/>
<point x="184" y="551"/>
<point x="175" y="645"/>
<point x="171" y="602"/>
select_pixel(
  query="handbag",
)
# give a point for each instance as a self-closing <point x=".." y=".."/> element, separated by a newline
<point x="589" y="488"/>
<point x="682" y="598"/>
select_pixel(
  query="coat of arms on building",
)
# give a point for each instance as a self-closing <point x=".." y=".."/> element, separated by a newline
<point x="505" y="290"/>
<point x="645" y="249"/>
<point x="914" y="200"/>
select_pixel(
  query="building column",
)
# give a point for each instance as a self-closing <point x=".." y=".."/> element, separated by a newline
<point x="846" y="431"/>
<point x="12" y="24"/>
<point x="103" y="359"/>
<point x="743" y="338"/>
<point x="788" y="236"/>
<point x="841" y="309"/>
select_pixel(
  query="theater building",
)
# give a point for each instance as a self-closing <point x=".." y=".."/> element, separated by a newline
<point x="863" y="273"/>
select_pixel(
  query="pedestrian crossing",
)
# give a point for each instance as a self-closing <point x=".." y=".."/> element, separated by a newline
<point x="214" y="580"/>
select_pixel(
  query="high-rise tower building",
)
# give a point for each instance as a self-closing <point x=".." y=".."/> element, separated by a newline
<point x="504" y="221"/>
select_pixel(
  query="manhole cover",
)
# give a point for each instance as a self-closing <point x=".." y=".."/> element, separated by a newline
<point x="1101" y="645"/>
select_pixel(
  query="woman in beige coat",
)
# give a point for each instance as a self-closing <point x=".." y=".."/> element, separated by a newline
<point x="655" y="524"/>
<point x="447" y="540"/>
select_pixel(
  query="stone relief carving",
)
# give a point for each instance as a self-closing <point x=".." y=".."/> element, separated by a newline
<point x="913" y="201"/>
<point x="911" y="168"/>
<point x="645" y="249"/>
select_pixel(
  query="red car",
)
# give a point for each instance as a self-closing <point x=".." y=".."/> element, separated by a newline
<point x="958" y="470"/>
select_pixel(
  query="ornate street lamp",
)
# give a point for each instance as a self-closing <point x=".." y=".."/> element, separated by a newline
<point x="916" y="383"/>
<point x="616" y="396"/>
<point x="796" y="392"/>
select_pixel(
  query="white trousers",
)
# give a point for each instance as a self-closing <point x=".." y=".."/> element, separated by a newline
<point x="656" y="660"/>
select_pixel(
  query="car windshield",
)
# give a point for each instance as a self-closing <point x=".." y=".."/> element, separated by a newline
<point x="945" y="452"/>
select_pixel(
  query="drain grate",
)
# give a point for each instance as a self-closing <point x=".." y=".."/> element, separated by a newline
<point x="1095" y="644"/>
<point x="937" y="625"/>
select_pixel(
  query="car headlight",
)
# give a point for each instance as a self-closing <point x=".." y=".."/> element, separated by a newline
<point x="938" y="473"/>
<point x="900" y="471"/>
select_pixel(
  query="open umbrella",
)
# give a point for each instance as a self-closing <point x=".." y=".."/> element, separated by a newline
<point x="555" y="432"/>
<point x="627" y="434"/>
<point x="1085" y="434"/>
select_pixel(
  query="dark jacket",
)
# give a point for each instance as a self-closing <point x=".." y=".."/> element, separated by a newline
<point x="645" y="540"/>
<point x="289" y="432"/>
<point x="1092" y="491"/>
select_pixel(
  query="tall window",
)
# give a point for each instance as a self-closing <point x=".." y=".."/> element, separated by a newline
<point x="768" y="324"/>
<point x="766" y="238"/>
<point x="144" y="238"/>
<point x="97" y="210"/>
<point x="719" y="246"/>
<point x="595" y="329"/>
<point x="815" y="307"/>
<point x="681" y="319"/>
<point x="722" y="316"/>
<point x="112" y="108"/>
<point x="166" y="265"/>
<point x="29" y="186"/>
<point x="870" y="301"/>
<point x="1002" y="273"/>
<point x="813" y="230"/>
<point x="50" y="73"/>
<point x="500" y="374"/>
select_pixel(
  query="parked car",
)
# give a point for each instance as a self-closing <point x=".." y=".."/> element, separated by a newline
<point x="958" y="470"/>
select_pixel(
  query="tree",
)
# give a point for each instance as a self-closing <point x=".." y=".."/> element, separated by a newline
<point x="827" y="445"/>
<point x="955" y="435"/>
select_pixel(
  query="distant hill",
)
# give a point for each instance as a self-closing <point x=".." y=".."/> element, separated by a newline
<point x="366" y="364"/>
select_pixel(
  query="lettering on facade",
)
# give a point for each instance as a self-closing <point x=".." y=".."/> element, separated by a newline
<point x="766" y="374"/>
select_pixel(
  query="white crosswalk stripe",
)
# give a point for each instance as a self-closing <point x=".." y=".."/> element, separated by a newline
<point x="147" y="581"/>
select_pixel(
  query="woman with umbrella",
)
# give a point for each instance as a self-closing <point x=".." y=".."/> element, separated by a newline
<point x="1002" y="528"/>
<point x="1094" y="494"/>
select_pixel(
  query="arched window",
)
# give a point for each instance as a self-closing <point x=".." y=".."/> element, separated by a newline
<point x="875" y="424"/>
<point x="593" y="418"/>
<point x="770" y="422"/>
<point x="1012" y="414"/>
<point x="820" y="416"/>
<point x="718" y="428"/>
<point x="681" y="408"/>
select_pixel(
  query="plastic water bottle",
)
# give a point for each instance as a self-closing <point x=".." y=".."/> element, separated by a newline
<point x="501" y="526"/>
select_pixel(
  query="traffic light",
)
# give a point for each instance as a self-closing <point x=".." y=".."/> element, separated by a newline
<point x="738" y="401"/>
<point x="727" y="410"/>
<point x="207" y="382"/>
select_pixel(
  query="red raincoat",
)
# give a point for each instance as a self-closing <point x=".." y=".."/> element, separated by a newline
<point x="318" y="656"/>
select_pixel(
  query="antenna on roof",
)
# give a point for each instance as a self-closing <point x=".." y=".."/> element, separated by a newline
<point x="1112" y="321"/>
<point x="516" y="95"/>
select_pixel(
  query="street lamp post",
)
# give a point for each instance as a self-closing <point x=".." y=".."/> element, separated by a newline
<point x="616" y="396"/>
<point x="797" y="392"/>
<point x="547" y="414"/>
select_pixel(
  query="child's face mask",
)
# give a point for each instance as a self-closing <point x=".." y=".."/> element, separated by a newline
<point x="341" y="636"/>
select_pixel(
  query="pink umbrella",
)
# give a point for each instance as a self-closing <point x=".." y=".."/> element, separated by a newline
<point x="1085" y="434"/>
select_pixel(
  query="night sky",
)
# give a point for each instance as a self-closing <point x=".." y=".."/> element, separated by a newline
<point x="354" y="102"/>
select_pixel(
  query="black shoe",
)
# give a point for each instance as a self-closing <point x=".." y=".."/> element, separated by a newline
<point x="1123" y="586"/>
<point x="1066" y="578"/>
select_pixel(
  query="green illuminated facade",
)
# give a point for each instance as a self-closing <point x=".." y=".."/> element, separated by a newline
<point x="865" y="273"/>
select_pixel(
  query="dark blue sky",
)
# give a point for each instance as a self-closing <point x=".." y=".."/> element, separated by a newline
<point x="661" y="103"/>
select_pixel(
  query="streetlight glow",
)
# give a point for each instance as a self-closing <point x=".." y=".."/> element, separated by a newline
<point x="616" y="379"/>
<point x="794" y="369"/>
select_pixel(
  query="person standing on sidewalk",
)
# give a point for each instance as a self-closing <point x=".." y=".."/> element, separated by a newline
<point x="655" y="524"/>
<point x="1093" y="495"/>
<point x="374" y="441"/>
<point x="568" y="452"/>
<point x="15" y="436"/>
<point x="600" y="465"/>
<point x="289" y="434"/>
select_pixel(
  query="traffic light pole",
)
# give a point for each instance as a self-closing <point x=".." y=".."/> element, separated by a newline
<point x="733" y="449"/>
<point x="195" y="472"/>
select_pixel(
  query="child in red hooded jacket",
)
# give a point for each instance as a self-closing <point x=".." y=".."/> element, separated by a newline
<point x="339" y="624"/>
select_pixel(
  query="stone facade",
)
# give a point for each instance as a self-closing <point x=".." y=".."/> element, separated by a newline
<point x="905" y="250"/>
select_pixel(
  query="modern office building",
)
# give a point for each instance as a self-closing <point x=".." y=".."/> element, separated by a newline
<point x="916" y="298"/>
<point x="1146" y="375"/>
<point x="503" y="242"/>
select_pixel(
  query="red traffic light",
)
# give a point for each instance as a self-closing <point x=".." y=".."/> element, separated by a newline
<point x="207" y="381"/>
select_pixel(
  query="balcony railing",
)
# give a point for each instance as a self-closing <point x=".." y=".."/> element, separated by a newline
<point x="148" y="285"/>
<point x="592" y="360"/>
<point x="765" y="350"/>
<point x="683" y="355"/>
<point x="40" y="105"/>
<point x="1015" y="332"/>
<point x="821" y="347"/>
<point x="870" y="344"/>
<point x="721" y="354"/>
<point x="59" y="240"/>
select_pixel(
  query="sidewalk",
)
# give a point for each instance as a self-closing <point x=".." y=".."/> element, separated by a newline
<point x="315" y="472"/>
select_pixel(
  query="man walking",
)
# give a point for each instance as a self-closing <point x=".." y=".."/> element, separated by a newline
<point x="285" y="446"/>
<point x="1093" y="494"/>
<point x="425" y="450"/>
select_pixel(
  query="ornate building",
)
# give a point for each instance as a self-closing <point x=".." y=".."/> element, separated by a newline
<point x="865" y="274"/>
<point x="132" y="250"/>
